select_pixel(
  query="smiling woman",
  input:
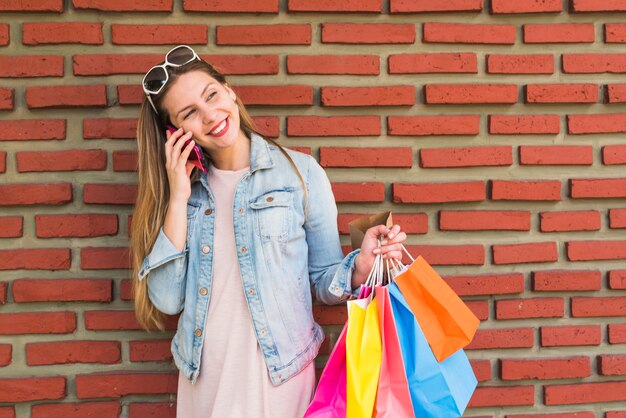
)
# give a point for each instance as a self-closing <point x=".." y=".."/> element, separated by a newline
<point x="231" y="248"/>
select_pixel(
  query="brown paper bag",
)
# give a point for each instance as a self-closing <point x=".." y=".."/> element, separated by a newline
<point x="359" y="226"/>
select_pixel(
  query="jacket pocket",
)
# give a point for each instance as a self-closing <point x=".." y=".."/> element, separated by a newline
<point x="192" y="210"/>
<point x="272" y="212"/>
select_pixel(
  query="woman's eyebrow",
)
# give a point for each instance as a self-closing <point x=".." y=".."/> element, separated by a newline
<point x="201" y="94"/>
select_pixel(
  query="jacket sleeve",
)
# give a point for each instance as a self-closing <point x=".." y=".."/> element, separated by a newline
<point x="330" y="273"/>
<point x="165" y="269"/>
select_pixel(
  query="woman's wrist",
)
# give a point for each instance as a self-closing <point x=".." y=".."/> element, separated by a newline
<point x="359" y="275"/>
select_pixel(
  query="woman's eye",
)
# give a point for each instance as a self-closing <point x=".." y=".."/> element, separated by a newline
<point x="210" y="96"/>
<point x="189" y="114"/>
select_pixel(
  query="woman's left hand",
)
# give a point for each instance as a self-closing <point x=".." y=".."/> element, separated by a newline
<point x="391" y="247"/>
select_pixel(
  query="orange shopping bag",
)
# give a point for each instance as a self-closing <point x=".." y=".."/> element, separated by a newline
<point x="448" y="324"/>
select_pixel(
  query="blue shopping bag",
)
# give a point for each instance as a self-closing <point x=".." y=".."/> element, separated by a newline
<point x="438" y="390"/>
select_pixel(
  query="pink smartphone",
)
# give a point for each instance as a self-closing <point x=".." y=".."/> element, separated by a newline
<point x="195" y="157"/>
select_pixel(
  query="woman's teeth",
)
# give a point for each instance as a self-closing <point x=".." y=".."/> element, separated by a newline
<point x="219" y="128"/>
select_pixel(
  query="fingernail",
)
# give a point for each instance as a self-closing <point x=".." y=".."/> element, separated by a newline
<point x="376" y="250"/>
<point x="391" y="235"/>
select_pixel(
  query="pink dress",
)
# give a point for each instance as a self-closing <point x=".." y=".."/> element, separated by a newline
<point x="233" y="380"/>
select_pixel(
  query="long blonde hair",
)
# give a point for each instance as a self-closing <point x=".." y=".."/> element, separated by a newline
<point x="153" y="191"/>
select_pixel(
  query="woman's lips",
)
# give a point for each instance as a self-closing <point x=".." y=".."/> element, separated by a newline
<point x="223" y="131"/>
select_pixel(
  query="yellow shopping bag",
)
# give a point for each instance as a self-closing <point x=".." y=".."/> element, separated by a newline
<point x="363" y="357"/>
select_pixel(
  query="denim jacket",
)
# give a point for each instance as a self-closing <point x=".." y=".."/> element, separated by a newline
<point x="281" y="257"/>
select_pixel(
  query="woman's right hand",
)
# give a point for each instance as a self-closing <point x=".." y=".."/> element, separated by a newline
<point x="177" y="165"/>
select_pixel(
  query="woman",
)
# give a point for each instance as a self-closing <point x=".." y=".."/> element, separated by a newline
<point x="235" y="249"/>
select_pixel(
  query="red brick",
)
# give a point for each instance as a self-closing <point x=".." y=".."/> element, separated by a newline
<point x="330" y="315"/>
<point x="524" y="124"/>
<point x="612" y="365"/>
<point x="62" y="290"/>
<point x="124" y="160"/>
<point x="7" y="99"/>
<point x="279" y="34"/>
<point x="562" y="93"/>
<point x="525" y="190"/>
<point x="78" y="225"/>
<point x="368" y="96"/>
<point x="502" y="338"/>
<point x="615" y="414"/>
<point x="594" y="63"/>
<point x="32" y="6"/>
<point x="449" y="254"/>
<point x="617" y="279"/>
<point x="7" y="412"/>
<point x="268" y="126"/>
<point x="577" y="6"/>
<point x="66" y="96"/>
<point x="471" y="191"/>
<point x="470" y="93"/>
<point x="152" y="350"/>
<point x="35" y="259"/>
<point x="32" y="389"/>
<point x="482" y="220"/>
<point x="615" y="93"/>
<point x="3" y="163"/>
<point x="283" y="95"/>
<point x="596" y="124"/>
<point x="5" y="37"/>
<point x="109" y="409"/>
<point x="534" y="252"/>
<point x="110" y="64"/>
<point x="366" y="157"/>
<point x="520" y="64"/>
<point x="566" y="280"/>
<point x="333" y="126"/>
<point x="429" y="6"/>
<point x="3" y="292"/>
<point x="124" y="6"/>
<point x="482" y="370"/>
<point x="614" y="32"/>
<point x="333" y="64"/>
<point x="545" y="368"/>
<point x="368" y="33"/>
<point x="37" y="323"/>
<point x="104" y="258"/>
<point x="614" y="154"/>
<point x="486" y="284"/>
<point x="530" y="308"/>
<point x="556" y="415"/>
<point x="556" y="155"/>
<point x="110" y="194"/>
<point x="359" y="192"/>
<point x="108" y="320"/>
<point x="153" y="409"/>
<point x="429" y="63"/>
<point x="66" y="160"/>
<point x="365" y="6"/>
<point x="244" y="64"/>
<point x="126" y="290"/>
<point x="466" y="157"/>
<point x="598" y="188"/>
<point x="502" y="396"/>
<point x="35" y="194"/>
<point x="465" y="33"/>
<point x="11" y="226"/>
<point x="583" y="393"/>
<point x="574" y="335"/>
<point x="598" y="306"/>
<point x="118" y="384"/>
<point x="617" y="333"/>
<point x="570" y="221"/>
<point x="23" y="66"/>
<point x="6" y="352"/>
<point x="543" y="33"/>
<point x="228" y="6"/>
<point x="109" y="128"/>
<point x="525" y="6"/>
<point x="596" y="250"/>
<point x="412" y="223"/>
<point x="88" y="33"/>
<point x="433" y="125"/>
<point x="188" y="34"/>
<point x="32" y="129"/>
<point x="480" y="308"/>
<point x="71" y="352"/>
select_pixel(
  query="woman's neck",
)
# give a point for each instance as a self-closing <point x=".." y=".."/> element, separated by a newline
<point x="234" y="158"/>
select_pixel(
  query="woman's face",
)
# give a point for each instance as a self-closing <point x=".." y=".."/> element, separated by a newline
<point x="200" y="104"/>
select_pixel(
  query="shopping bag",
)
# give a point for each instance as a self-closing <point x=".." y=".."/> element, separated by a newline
<point x="329" y="400"/>
<point x="445" y="320"/>
<point x="393" y="399"/>
<point x="438" y="389"/>
<point x="359" y="226"/>
<point x="363" y="357"/>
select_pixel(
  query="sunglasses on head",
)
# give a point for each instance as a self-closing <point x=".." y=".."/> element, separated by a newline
<point x="156" y="78"/>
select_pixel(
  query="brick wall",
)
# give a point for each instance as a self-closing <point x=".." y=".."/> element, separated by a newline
<point x="494" y="129"/>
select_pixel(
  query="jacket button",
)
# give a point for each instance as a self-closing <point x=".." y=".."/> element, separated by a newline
<point x="203" y="291"/>
<point x="240" y="210"/>
<point x="251" y="291"/>
<point x="198" y="332"/>
<point x="206" y="249"/>
<point x="208" y="211"/>
<point x="270" y="199"/>
<point x="244" y="249"/>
